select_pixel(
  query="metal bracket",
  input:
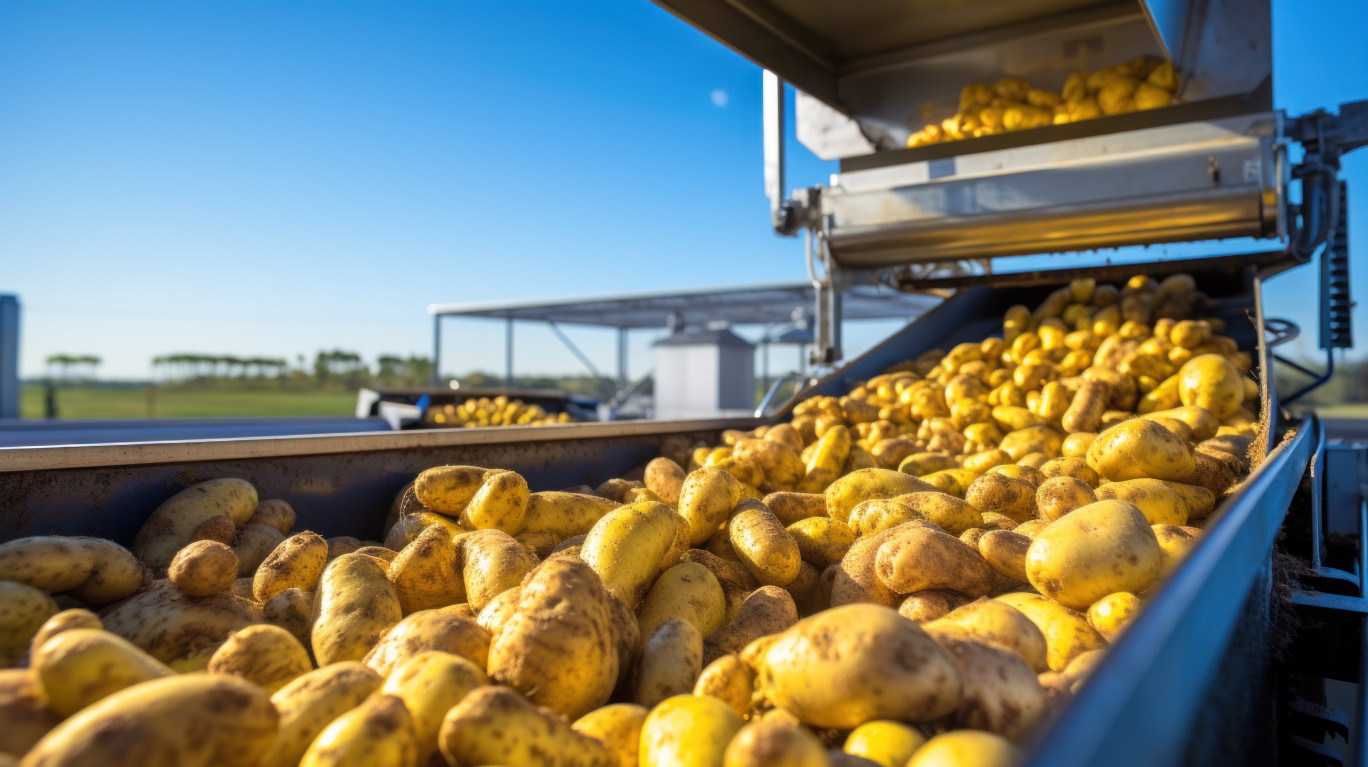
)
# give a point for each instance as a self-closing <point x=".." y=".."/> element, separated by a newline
<point x="784" y="214"/>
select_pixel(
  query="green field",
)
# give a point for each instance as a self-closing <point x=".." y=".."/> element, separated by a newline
<point x="84" y="402"/>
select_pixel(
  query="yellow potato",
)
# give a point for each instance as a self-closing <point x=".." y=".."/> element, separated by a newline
<point x="379" y="731"/>
<point x="297" y="563"/>
<point x="1199" y="420"/>
<point x="254" y="544"/>
<point x="276" y="513"/>
<point x="355" y="605"/>
<point x="1067" y="634"/>
<point x="954" y="515"/>
<point x="1100" y="549"/>
<point x="996" y="623"/>
<point x="558" y="646"/>
<point x="877" y="515"/>
<point x="117" y="574"/>
<point x="688" y="731"/>
<point x="923" y="606"/>
<point x="670" y="663"/>
<point x="267" y="656"/>
<point x="174" y="523"/>
<point x="852" y="664"/>
<point x="887" y="744"/>
<point x="767" y="610"/>
<point x="499" y="504"/>
<point x="492" y="562"/>
<point x="619" y="728"/>
<point x="688" y="591"/>
<point x="706" y="498"/>
<point x="310" y="703"/>
<point x="1156" y="499"/>
<point x="921" y="557"/>
<point x="1001" y="692"/>
<point x="429" y="684"/>
<point x="866" y="484"/>
<point x="66" y="620"/>
<point x="665" y="478"/>
<point x="203" y="568"/>
<point x="564" y="514"/>
<point x="80" y="667"/>
<point x="23" y="611"/>
<point x="828" y="459"/>
<point x="1211" y="382"/>
<point x="177" y="630"/>
<point x="1076" y="445"/>
<point x="953" y="482"/>
<point x="921" y="464"/>
<point x="730" y="680"/>
<point x="1014" y="498"/>
<point x="776" y="742"/>
<point x="1110" y="614"/>
<point x="855" y="578"/>
<point x="821" y="540"/>
<point x="764" y="546"/>
<point x="1033" y="439"/>
<point x="1174" y="544"/>
<point x="497" y="726"/>
<point x="444" y="629"/>
<point x="291" y="610"/>
<point x="426" y="575"/>
<point x="27" y="719"/>
<point x="779" y="462"/>
<point x="790" y="507"/>
<point x="1139" y="449"/>
<point x="50" y="563"/>
<point x="1005" y="551"/>
<point x="632" y="545"/>
<point x="163" y="722"/>
<point x="1058" y="496"/>
<point x="962" y="747"/>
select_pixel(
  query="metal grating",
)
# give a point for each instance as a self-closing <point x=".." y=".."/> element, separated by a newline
<point x="1336" y="328"/>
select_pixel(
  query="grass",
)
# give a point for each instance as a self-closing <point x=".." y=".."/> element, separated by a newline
<point x="97" y="402"/>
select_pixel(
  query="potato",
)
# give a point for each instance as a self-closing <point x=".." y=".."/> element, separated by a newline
<point x="736" y="581"/>
<point x="276" y="513"/>
<point x="564" y="514"/>
<point x="558" y="647"/>
<point x="1157" y="500"/>
<point x="1100" y="549"/>
<point x="631" y="545"/>
<point x="1033" y="439"/>
<point x="1211" y="382"/>
<point x="1174" y="544"/>
<point x="1067" y="634"/>
<point x="163" y="722"/>
<point x="291" y="610"/>
<point x="80" y="667"/>
<point x="953" y="482"/>
<point x="790" y="508"/>
<point x="355" y="605"/>
<point x="1005" y="551"/>
<point x="1076" y="444"/>
<point x="177" y="630"/>
<point x="500" y="503"/>
<point x="173" y="524"/>
<point x="920" y="557"/>
<point x="254" y="544"/>
<point x="855" y="578"/>
<point x="49" y="563"/>
<point x="775" y="741"/>
<point x="492" y="563"/>
<point x="665" y="478"/>
<point x="310" y="703"/>
<point x="23" y="611"/>
<point x="670" y="663"/>
<point x="996" y="623"/>
<point x="27" y="719"/>
<point x="767" y="610"/>
<point x="866" y="484"/>
<point x="116" y="575"/>
<point x="497" y="726"/>
<point x="268" y="656"/>
<point x="1139" y="449"/>
<point x="1110" y="614"/>
<point x="1014" y="498"/>
<point x="780" y="463"/>
<point x="379" y="731"/>
<point x="1058" y="496"/>
<point x="342" y="544"/>
<point x="764" y="546"/>
<point x="688" y="591"/>
<point x="402" y="532"/>
<point x="730" y="680"/>
<point x="618" y="727"/>
<point x="821" y="540"/>
<point x="952" y="514"/>
<point x="921" y="464"/>
<point x="828" y="459"/>
<point x="1001" y="692"/>
<point x="297" y="563"/>
<point x="688" y="731"/>
<point x="66" y="620"/>
<point x="961" y="747"/>
<point x="448" y="489"/>
<point x="706" y="499"/>
<point x="879" y="514"/>
<point x="445" y="629"/>
<point x="1020" y="471"/>
<point x="852" y="664"/>
<point x="885" y="743"/>
<point x="922" y="606"/>
<point x="499" y="610"/>
<point x="203" y="568"/>
<point x="427" y="573"/>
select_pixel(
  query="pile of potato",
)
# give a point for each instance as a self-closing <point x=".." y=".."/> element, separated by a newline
<point x="913" y="575"/>
<point x="1013" y="104"/>
<point x="498" y="411"/>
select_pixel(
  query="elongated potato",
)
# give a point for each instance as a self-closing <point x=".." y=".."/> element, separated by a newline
<point x="954" y="515"/>
<point x="775" y="741"/>
<point x="23" y="611"/>
<point x="173" y="524"/>
<point x="670" y="663"/>
<point x="688" y="731"/>
<point x="448" y="489"/>
<point x="921" y="557"/>
<point x="80" y="667"/>
<point x="618" y="727"/>
<point x="116" y="575"/>
<point x="254" y="544"/>
<point x="1156" y="499"/>
<point x="866" y="484"/>
<point x="879" y="514"/>
<point x="355" y="605"/>
<point x="1001" y="692"/>
<point x="497" y="726"/>
<point x="1005" y="551"/>
<point x="297" y="563"/>
<point x="852" y="664"/>
<point x="492" y="563"/>
<point x="628" y="547"/>
<point x="267" y="656"/>
<point x="791" y="507"/>
<point x="821" y="540"/>
<point x="564" y="514"/>
<point x="310" y="703"/>
<point x="688" y="591"/>
<point x="177" y="630"/>
<point x="855" y="578"/>
<point x="1100" y="549"/>
<point x="163" y="722"/>
<point x="444" y="629"/>
<point x="828" y="459"/>
<point x="730" y="680"/>
<point x="203" y="568"/>
<point x="997" y="623"/>
<point x="764" y="546"/>
<point x="50" y="563"/>
<point x="377" y="732"/>
<point x="705" y="499"/>
<point x="767" y="610"/>
<point x="1067" y="634"/>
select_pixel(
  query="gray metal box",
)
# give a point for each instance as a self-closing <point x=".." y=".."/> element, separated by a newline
<point x="702" y="373"/>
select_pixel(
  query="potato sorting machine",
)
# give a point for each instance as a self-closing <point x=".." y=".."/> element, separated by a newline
<point x="1230" y="660"/>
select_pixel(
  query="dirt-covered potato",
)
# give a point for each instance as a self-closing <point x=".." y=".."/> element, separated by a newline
<point x="342" y="544"/>
<point x="291" y="610"/>
<point x="1058" y="496"/>
<point x="879" y="514"/>
<point x="23" y="611"/>
<point x="821" y="540"/>
<point x="1001" y="692"/>
<point x="921" y="464"/>
<point x="996" y="623"/>
<point x="50" y="563"/>
<point x="705" y="500"/>
<point x="1110" y="614"/>
<point x="177" y="630"/>
<point x="1100" y="549"/>
<point x="1014" y="498"/>
<point x="355" y="605"/>
<point x="379" y="731"/>
<point x="310" y="703"/>
<point x="203" y="568"/>
<point x="688" y="731"/>
<point x="735" y="580"/>
<point x="1067" y="634"/>
<point x="276" y="513"/>
<point x="427" y="573"/>
<point x="954" y="515"/>
<point x="617" y="726"/>
<point x="1140" y="448"/>
<point x="671" y="661"/>
<point x="632" y="545"/>
<point x="872" y="664"/>
<point x="66" y="620"/>
<point x="558" y="646"/>
<point x="174" y="523"/>
<point x="855" y="578"/>
<point x="164" y="720"/>
<point x="26" y="716"/>
<point x="921" y="557"/>
<point x="665" y="478"/>
<point x="773" y="741"/>
<point x="496" y="725"/>
<point x="500" y="503"/>
<point x="444" y="629"/>
<point x="80" y="667"/>
<point x="763" y="545"/>
<point x="847" y="492"/>
<point x="923" y="606"/>
<point x="791" y="507"/>
<point x="492" y="562"/>
<point x="267" y="656"/>
<point x="1156" y="499"/>
<point x="297" y="563"/>
<point x="960" y="747"/>
<point x="254" y="544"/>
<point x="116" y="574"/>
<point x="688" y="591"/>
<point x="1005" y="551"/>
<point x="767" y="610"/>
<point x="730" y="680"/>
<point x="564" y="514"/>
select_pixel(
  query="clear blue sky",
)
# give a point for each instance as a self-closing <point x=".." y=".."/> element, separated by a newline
<point x="273" y="178"/>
